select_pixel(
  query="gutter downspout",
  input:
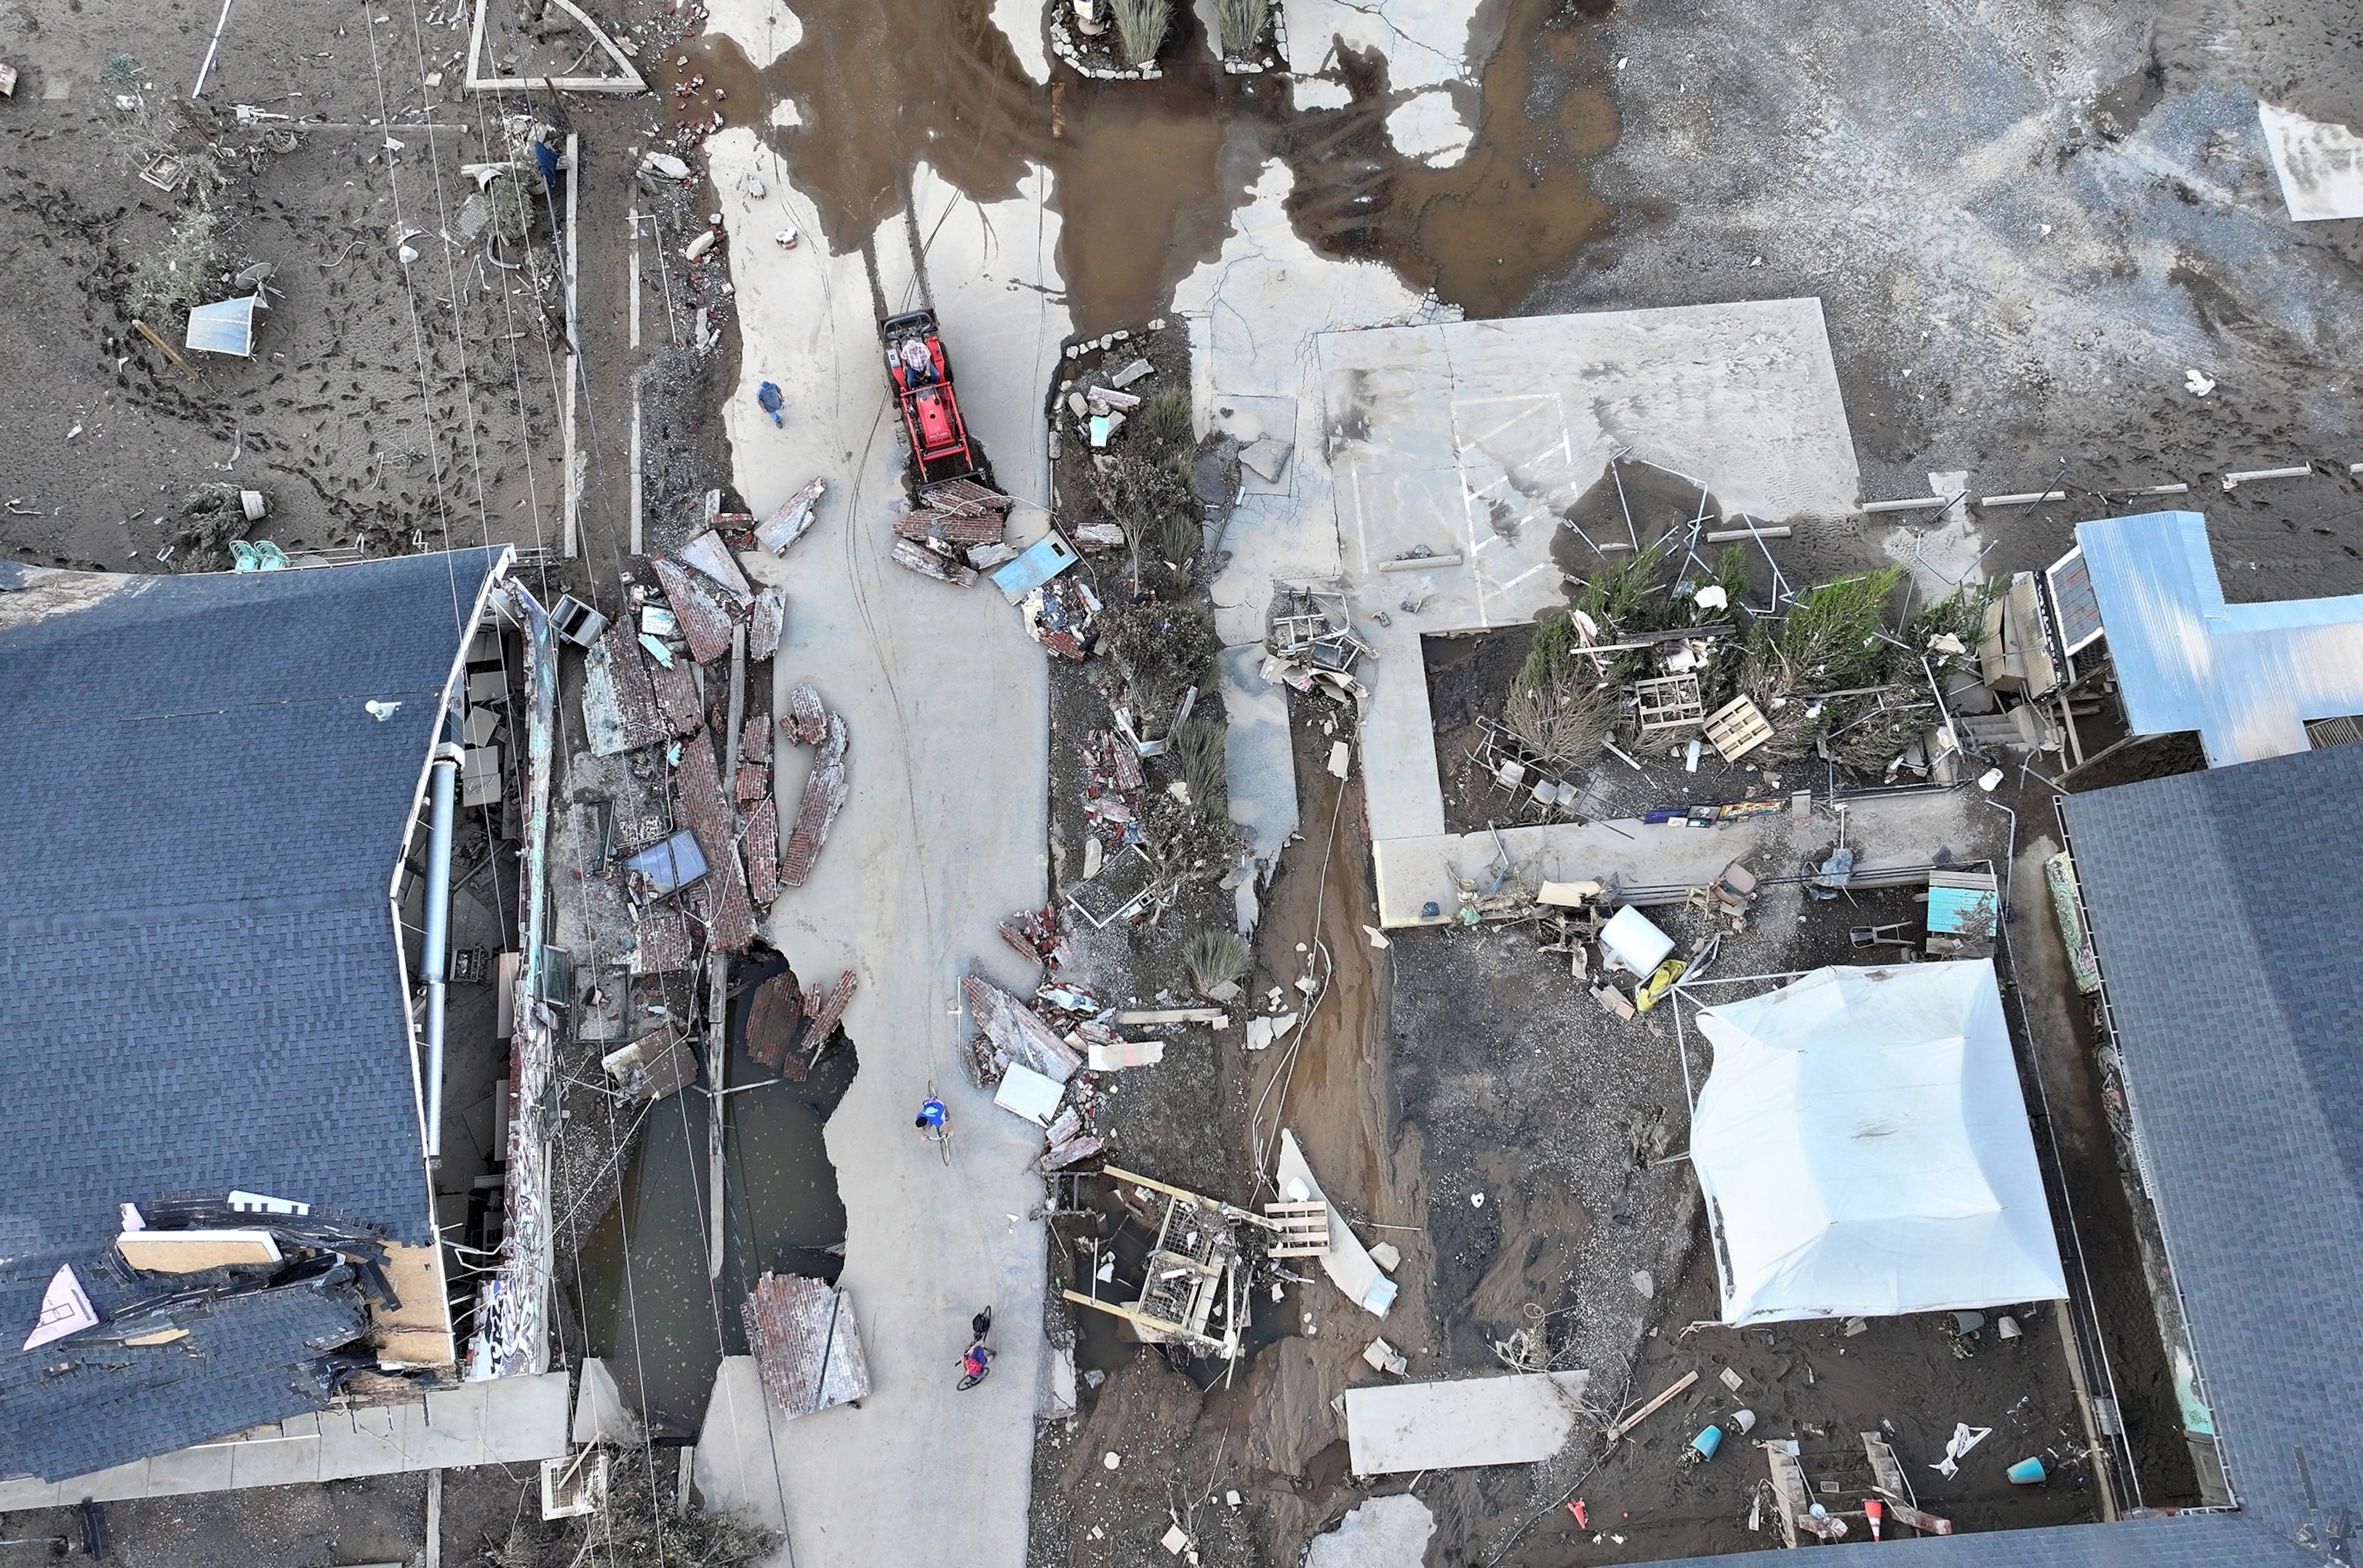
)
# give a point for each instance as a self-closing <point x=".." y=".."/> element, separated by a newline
<point x="434" y="956"/>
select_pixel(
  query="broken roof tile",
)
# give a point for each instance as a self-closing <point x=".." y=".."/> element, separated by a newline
<point x="806" y="719"/>
<point x="676" y="691"/>
<point x="709" y="555"/>
<point x="698" y="609"/>
<point x="766" y="621"/>
<point x="823" y="797"/>
<point x="697" y="786"/>
<point x="763" y="852"/>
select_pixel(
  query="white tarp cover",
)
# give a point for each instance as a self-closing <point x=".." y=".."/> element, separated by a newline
<point x="1864" y="1149"/>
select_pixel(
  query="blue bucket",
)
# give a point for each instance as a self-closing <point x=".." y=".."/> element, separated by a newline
<point x="1707" y="1441"/>
<point x="2026" y="1471"/>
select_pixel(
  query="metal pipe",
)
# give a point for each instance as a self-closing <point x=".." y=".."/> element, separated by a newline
<point x="434" y="954"/>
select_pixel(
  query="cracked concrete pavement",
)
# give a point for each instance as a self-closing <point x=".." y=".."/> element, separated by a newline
<point x="946" y="699"/>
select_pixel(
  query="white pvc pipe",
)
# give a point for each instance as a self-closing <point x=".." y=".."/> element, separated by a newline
<point x="434" y="958"/>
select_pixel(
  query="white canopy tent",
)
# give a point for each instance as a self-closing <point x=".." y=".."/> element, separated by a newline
<point x="1864" y="1149"/>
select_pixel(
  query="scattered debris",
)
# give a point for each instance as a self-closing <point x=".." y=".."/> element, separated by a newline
<point x="1039" y="936"/>
<point x="794" y="519"/>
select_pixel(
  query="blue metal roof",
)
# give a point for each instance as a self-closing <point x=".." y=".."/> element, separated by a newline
<point x="2247" y="676"/>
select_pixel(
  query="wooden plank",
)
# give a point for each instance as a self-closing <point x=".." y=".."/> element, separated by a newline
<point x="1904" y="1513"/>
<point x="194" y="1252"/>
<point x="1652" y="1408"/>
<point x="1120" y="1174"/>
<point x="418" y="1332"/>
<point x="1159" y="1324"/>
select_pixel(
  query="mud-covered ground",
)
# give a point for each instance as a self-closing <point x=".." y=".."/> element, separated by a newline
<point x="2026" y="224"/>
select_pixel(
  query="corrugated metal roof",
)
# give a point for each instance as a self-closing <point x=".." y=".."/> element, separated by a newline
<point x="2247" y="676"/>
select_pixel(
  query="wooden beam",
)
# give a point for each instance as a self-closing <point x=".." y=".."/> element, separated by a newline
<point x="1120" y="1174"/>
<point x="1627" y="1423"/>
<point x="150" y="332"/>
<point x="1143" y="1318"/>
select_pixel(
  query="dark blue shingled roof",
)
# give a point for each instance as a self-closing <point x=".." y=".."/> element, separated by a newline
<point x="198" y="985"/>
<point x="2202" y="1541"/>
<point x="2222" y="909"/>
<point x="90" y="1402"/>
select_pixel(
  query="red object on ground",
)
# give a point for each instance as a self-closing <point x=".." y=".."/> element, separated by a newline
<point x="1576" y="1507"/>
<point x="1874" y="1511"/>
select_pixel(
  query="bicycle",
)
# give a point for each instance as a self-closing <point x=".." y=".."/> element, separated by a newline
<point x="976" y="1361"/>
<point x="934" y="1125"/>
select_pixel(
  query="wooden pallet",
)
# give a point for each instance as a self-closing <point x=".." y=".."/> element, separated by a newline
<point x="1738" y="728"/>
<point x="1304" y="1229"/>
<point x="1668" y="702"/>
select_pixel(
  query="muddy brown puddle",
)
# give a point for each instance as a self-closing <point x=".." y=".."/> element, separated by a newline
<point x="1147" y="175"/>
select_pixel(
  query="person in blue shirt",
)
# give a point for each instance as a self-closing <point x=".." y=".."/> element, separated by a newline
<point x="930" y="1119"/>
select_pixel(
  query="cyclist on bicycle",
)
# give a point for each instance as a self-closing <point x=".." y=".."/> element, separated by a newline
<point x="931" y="1118"/>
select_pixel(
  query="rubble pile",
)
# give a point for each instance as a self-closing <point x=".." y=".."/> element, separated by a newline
<point x="1309" y="640"/>
<point x="1063" y="615"/>
<point x="954" y="530"/>
<point x="1039" y="936"/>
<point x="1113" y="782"/>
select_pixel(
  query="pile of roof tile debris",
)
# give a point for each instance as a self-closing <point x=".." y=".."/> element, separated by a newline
<point x="1033" y="1056"/>
<point x="1113" y="782"/>
<point x="1039" y="936"/>
<point x="953" y="532"/>
<point x="805" y="1345"/>
<point x="788" y="1028"/>
<point x="693" y="842"/>
<point x="1309" y="640"/>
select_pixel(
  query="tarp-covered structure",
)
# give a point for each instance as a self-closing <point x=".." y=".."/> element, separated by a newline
<point x="1864" y="1149"/>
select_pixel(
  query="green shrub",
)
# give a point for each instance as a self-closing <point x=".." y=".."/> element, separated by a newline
<point x="1216" y="958"/>
<point x="1141" y="26"/>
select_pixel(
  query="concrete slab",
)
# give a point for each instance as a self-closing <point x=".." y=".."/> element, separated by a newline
<point x="1259" y="765"/>
<point x="1474" y="437"/>
<point x="1247" y="420"/>
<point x="1894" y="838"/>
<point x="1385" y="1532"/>
<point x="945" y="832"/>
<point x="734" y="1468"/>
<point x="1513" y="1420"/>
<point x="599" y="1412"/>
<point x="1253" y="314"/>
<point x="192" y="1470"/>
<point x="2320" y="166"/>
